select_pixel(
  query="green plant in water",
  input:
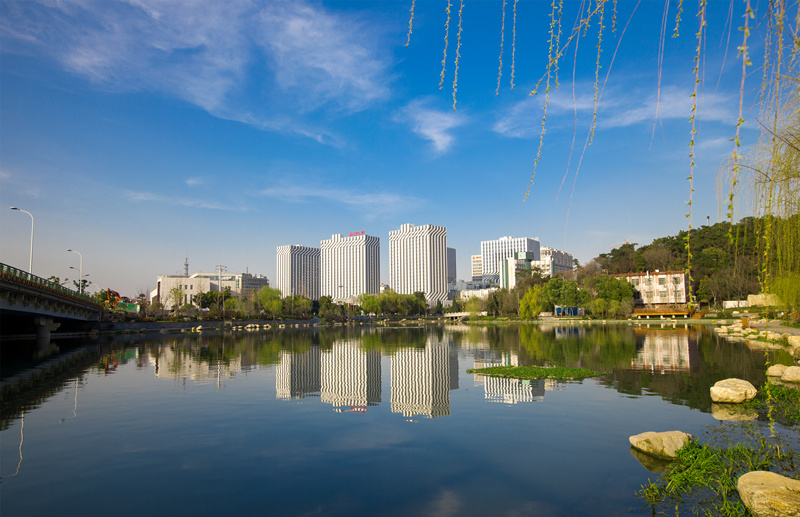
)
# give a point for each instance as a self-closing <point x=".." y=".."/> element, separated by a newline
<point x="537" y="372"/>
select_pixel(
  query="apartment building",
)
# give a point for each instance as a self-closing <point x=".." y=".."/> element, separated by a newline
<point x="349" y="266"/>
<point x="418" y="261"/>
<point x="298" y="271"/>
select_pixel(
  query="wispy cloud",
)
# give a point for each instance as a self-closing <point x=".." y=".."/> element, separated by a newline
<point x="141" y="197"/>
<point x="213" y="54"/>
<point x="618" y="108"/>
<point x="431" y="124"/>
<point x="371" y="204"/>
<point x="197" y="181"/>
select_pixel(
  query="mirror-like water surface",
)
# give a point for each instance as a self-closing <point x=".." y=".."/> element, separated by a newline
<point x="359" y="421"/>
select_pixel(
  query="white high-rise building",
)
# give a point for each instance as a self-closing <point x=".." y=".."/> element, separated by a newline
<point x="350" y="266"/>
<point x="418" y="261"/>
<point x="298" y="271"/>
<point x="494" y="252"/>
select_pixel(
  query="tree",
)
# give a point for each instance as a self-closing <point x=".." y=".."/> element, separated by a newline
<point x="531" y="304"/>
<point x="270" y="299"/>
<point x="174" y="298"/>
<point x="474" y="306"/>
<point x="327" y="309"/>
<point x="57" y="280"/>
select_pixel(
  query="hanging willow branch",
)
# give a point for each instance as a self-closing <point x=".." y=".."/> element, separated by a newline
<point x="458" y="54"/>
<point x="700" y="32"/>
<point x="446" y="39"/>
<point x="410" y="22"/>
<point x="514" y="45"/>
<point x="502" y="40"/>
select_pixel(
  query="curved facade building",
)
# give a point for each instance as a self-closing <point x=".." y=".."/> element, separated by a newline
<point x="350" y="266"/>
<point x="418" y="261"/>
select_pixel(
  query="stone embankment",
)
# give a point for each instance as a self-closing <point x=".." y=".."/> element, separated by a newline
<point x="763" y="333"/>
<point x="168" y="327"/>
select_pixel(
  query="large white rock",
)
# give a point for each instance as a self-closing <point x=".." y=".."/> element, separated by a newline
<point x="791" y="374"/>
<point x="733" y="391"/>
<point x="776" y="370"/>
<point x="660" y="445"/>
<point x="767" y="494"/>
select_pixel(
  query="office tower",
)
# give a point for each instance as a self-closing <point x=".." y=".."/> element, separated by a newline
<point x="418" y="261"/>
<point x="298" y="271"/>
<point x="350" y="266"/>
<point x="451" y="267"/>
<point x="477" y="268"/>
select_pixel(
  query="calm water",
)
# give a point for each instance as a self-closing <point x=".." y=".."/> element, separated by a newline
<point x="357" y="422"/>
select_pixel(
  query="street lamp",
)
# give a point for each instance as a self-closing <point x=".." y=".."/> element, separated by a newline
<point x="80" y="271"/>
<point x="30" y="262"/>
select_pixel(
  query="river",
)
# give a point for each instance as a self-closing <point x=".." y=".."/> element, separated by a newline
<point x="355" y="421"/>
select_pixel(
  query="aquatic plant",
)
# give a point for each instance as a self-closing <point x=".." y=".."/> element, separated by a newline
<point x="703" y="477"/>
<point x="537" y="372"/>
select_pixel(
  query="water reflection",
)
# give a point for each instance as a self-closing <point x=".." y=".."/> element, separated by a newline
<point x="351" y="377"/>
<point x="663" y="351"/>
<point x="344" y="367"/>
<point x="421" y="379"/>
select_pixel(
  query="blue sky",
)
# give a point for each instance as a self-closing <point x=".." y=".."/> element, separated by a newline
<point x="139" y="132"/>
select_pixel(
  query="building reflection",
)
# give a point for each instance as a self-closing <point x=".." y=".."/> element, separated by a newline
<point x="663" y="350"/>
<point x="421" y="379"/>
<point x="351" y="377"/>
<point x="177" y="363"/>
<point x="298" y="375"/>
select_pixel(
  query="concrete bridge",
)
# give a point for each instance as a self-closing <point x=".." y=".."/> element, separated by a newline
<point x="30" y="304"/>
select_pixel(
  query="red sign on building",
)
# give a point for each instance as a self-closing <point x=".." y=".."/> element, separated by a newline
<point x="356" y="233"/>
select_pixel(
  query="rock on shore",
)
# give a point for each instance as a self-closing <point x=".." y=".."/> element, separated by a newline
<point x="767" y="494"/>
<point x="733" y="391"/>
<point x="660" y="445"/>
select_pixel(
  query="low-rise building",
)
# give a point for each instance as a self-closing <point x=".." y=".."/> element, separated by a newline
<point x="553" y="261"/>
<point x="188" y="288"/>
<point x="658" y="288"/>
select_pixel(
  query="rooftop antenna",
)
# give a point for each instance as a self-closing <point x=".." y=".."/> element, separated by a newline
<point x="186" y="266"/>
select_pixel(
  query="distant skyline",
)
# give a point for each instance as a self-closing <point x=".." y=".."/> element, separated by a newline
<point x="141" y="132"/>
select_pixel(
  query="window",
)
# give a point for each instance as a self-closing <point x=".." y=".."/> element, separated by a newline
<point x="662" y="281"/>
<point x="663" y="294"/>
<point x="649" y="281"/>
<point x="634" y="281"/>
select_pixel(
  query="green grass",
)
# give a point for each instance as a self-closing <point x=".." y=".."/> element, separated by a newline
<point x="537" y="372"/>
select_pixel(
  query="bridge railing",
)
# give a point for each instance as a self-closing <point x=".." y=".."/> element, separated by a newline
<point x="13" y="273"/>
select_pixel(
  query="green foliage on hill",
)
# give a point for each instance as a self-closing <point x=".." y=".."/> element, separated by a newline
<point x="725" y="265"/>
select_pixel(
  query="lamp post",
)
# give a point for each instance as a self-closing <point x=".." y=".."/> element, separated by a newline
<point x="80" y="271"/>
<point x="30" y="261"/>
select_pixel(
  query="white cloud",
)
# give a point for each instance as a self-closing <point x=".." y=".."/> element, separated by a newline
<point x="296" y="56"/>
<point x="617" y="108"/>
<point x="140" y="197"/>
<point x="431" y="124"/>
<point x="372" y="204"/>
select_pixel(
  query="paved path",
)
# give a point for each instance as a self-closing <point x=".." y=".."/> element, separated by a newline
<point x="775" y="326"/>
